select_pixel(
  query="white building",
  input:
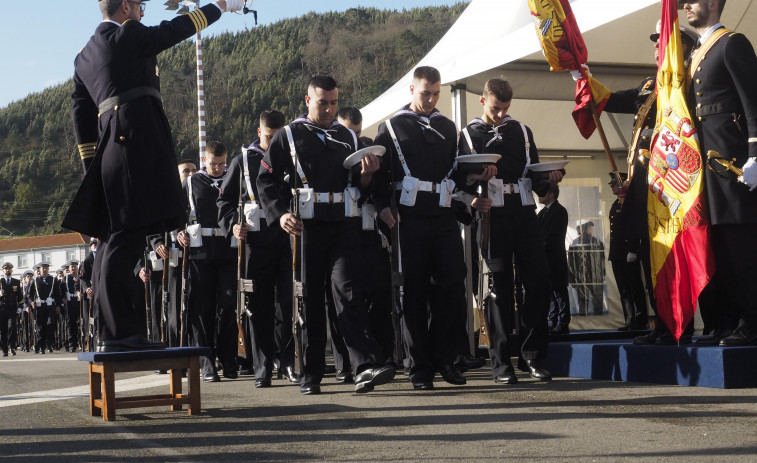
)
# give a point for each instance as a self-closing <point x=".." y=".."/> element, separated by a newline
<point x="57" y="250"/>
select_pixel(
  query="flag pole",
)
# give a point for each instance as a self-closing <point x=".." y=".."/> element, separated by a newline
<point x="605" y="144"/>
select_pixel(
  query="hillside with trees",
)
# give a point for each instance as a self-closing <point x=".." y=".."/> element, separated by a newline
<point x="365" y="49"/>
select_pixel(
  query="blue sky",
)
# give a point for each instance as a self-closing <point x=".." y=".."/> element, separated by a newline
<point x="40" y="40"/>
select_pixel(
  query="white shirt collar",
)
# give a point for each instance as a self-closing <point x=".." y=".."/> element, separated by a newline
<point x="709" y="32"/>
<point x="111" y="21"/>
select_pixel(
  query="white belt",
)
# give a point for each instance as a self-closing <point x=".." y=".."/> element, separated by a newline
<point x="211" y="232"/>
<point x="510" y="188"/>
<point x="70" y="296"/>
<point x="329" y="198"/>
<point x="428" y="187"/>
<point x="48" y="301"/>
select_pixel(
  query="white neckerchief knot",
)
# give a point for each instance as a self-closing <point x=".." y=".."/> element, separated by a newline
<point x="495" y="131"/>
<point x="325" y="132"/>
<point x="424" y="121"/>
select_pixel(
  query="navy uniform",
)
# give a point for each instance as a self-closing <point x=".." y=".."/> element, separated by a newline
<point x="723" y="101"/>
<point x="268" y="262"/>
<point x="553" y="223"/>
<point x="118" y="109"/>
<point x="11" y="298"/>
<point x="172" y="318"/>
<point x="45" y="297"/>
<point x="332" y="245"/>
<point x="27" y="340"/>
<point x="71" y="289"/>
<point x="514" y="233"/>
<point x="85" y="282"/>
<point x="430" y="242"/>
<point x="212" y="279"/>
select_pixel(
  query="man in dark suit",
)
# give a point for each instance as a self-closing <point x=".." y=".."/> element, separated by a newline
<point x="118" y="116"/>
<point x="553" y="222"/>
<point x="723" y="100"/>
<point x="11" y="297"/>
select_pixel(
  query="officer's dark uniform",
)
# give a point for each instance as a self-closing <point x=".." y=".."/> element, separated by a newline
<point x="332" y="240"/>
<point x="553" y="223"/>
<point x="11" y="298"/>
<point x="45" y="293"/>
<point x="268" y="262"/>
<point x="430" y="241"/>
<point x="69" y="287"/>
<point x="118" y="116"/>
<point x="627" y="274"/>
<point x="515" y="233"/>
<point x="723" y="101"/>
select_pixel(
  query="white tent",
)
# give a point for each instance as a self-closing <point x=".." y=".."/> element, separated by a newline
<point x="497" y="38"/>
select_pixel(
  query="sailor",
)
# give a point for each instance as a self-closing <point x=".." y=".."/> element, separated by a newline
<point x="11" y="298"/>
<point x="514" y="232"/>
<point x="268" y="258"/>
<point x="71" y="289"/>
<point x="27" y="340"/>
<point x="421" y="147"/>
<point x="45" y="300"/>
<point x="311" y="150"/>
<point x="212" y="270"/>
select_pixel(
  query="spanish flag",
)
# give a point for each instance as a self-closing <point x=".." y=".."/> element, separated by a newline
<point x="564" y="49"/>
<point x="681" y="258"/>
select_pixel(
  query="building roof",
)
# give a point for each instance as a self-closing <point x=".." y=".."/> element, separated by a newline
<point x="37" y="242"/>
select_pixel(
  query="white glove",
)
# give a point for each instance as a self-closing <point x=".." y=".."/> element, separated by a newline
<point x="631" y="257"/>
<point x="749" y="176"/>
<point x="576" y="74"/>
<point x="19" y="310"/>
<point x="234" y="5"/>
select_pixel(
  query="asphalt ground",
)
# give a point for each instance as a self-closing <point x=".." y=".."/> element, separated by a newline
<point x="44" y="416"/>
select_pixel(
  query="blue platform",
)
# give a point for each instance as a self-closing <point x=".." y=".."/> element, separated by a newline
<point x="621" y="360"/>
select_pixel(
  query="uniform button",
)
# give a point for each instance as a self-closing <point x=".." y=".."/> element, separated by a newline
<point x="699" y="68"/>
<point x="644" y="137"/>
<point x="699" y="93"/>
<point x="700" y="118"/>
<point x="115" y="108"/>
<point x="697" y="81"/>
<point x="122" y="138"/>
<point x="699" y="105"/>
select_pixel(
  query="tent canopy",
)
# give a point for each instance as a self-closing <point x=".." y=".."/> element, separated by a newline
<point x="497" y="38"/>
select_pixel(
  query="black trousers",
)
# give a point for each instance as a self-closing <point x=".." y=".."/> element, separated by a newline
<point x="559" y="306"/>
<point x="73" y="317"/>
<point x="113" y="283"/>
<point x="270" y="267"/>
<point x="5" y="318"/>
<point x="518" y="236"/>
<point x="27" y="340"/>
<point x="333" y="260"/>
<point x="631" y="289"/>
<point x="212" y="312"/>
<point x="431" y="248"/>
<point x="377" y="287"/>
<point x="586" y="292"/>
<point x="730" y="299"/>
<point x="43" y="322"/>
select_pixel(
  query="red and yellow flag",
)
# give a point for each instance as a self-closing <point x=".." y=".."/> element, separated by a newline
<point x="564" y="49"/>
<point x="681" y="257"/>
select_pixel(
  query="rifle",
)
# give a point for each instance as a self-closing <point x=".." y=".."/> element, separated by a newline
<point x="299" y="284"/>
<point x="148" y="311"/>
<point x="483" y="251"/>
<point x="244" y="286"/>
<point x="165" y="285"/>
<point x="82" y="332"/>
<point x="398" y="282"/>
<point x="184" y="295"/>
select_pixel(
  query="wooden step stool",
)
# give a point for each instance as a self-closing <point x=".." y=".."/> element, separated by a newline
<point x="104" y="366"/>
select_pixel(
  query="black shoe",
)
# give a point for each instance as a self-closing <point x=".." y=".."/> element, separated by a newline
<point x="211" y="378"/>
<point x="507" y="378"/>
<point x="465" y="362"/>
<point x="423" y="386"/>
<point x="161" y="372"/>
<point x="310" y="389"/>
<point x="369" y="378"/>
<point x="647" y="339"/>
<point x="42" y="351"/>
<point x="451" y="375"/>
<point x="231" y="374"/>
<point x="715" y="339"/>
<point x="73" y="349"/>
<point x="329" y="369"/>
<point x="135" y="342"/>
<point x="49" y="349"/>
<point x="13" y="351"/>
<point x="533" y="368"/>
<point x="288" y="373"/>
<point x="559" y="331"/>
<point x="262" y="383"/>
<point x="742" y="336"/>
<point x="344" y="377"/>
<point x="66" y="348"/>
<point x="246" y="371"/>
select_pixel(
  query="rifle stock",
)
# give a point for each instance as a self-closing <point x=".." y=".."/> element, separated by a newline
<point x="397" y="284"/>
<point x="165" y="286"/>
<point x="148" y="311"/>
<point x="299" y="288"/>
<point x="483" y="328"/>
<point x="244" y="286"/>
<point x="184" y="296"/>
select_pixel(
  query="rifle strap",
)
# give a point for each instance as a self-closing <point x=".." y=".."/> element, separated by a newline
<point x="293" y="153"/>
<point x="247" y="182"/>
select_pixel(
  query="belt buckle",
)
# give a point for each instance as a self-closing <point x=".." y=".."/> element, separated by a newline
<point x="331" y="197"/>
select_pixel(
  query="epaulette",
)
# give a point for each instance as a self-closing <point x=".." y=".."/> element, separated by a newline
<point x="87" y="150"/>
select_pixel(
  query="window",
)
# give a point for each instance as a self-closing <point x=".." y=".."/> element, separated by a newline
<point x="70" y="255"/>
<point x="585" y="247"/>
<point x="22" y="261"/>
<point x="46" y="257"/>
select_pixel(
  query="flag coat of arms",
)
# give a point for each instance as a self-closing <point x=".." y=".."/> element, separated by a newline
<point x="680" y="253"/>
